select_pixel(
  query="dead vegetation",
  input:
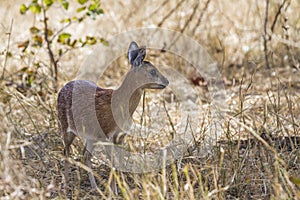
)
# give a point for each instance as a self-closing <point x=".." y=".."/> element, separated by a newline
<point x="255" y="44"/>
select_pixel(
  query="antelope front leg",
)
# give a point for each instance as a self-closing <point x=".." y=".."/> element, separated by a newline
<point x="88" y="155"/>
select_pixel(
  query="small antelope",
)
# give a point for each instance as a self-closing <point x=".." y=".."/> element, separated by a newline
<point x="74" y="96"/>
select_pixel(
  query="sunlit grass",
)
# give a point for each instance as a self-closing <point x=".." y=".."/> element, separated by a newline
<point x="258" y="153"/>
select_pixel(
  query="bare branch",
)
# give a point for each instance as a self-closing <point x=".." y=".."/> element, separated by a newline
<point x="277" y="15"/>
<point x="156" y="10"/>
<point x="50" y="52"/>
<point x="201" y="16"/>
<point x="60" y="30"/>
<point x="170" y="13"/>
<point x="7" y="48"/>
<point x="191" y="17"/>
<point x="265" y="35"/>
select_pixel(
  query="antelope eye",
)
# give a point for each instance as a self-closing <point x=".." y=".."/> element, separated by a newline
<point x="153" y="72"/>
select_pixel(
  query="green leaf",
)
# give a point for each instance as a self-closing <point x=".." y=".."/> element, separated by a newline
<point x="104" y="41"/>
<point x="81" y="9"/>
<point x="34" y="30"/>
<point x="48" y="2"/>
<point x="65" y="4"/>
<point x="82" y="1"/>
<point x="38" y="40"/>
<point x="64" y="37"/>
<point x="60" y="52"/>
<point x="30" y="79"/>
<point x="81" y="19"/>
<point x="50" y="32"/>
<point x="35" y="8"/>
<point x="67" y="20"/>
<point x="23" y="9"/>
<point x="91" y="40"/>
<point x="24" y="69"/>
<point x="99" y="11"/>
<point x="93" y="7"/>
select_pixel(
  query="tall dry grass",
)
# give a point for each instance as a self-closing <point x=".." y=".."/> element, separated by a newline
<point x="258" y="155"/>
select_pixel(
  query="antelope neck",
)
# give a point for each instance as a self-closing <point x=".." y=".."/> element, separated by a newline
<point x="126" y="89"/>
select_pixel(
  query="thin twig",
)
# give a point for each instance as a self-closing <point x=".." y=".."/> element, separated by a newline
<point x="50" y="52"/>
<point x="277" y="15"/>
<point x="200" y="17"/>
<point x="27" y="112"/>
<point x="7" y="48"/>
<point x="191" y="17"/>
<point x="170" y="120"/>
<point x="65" y="52"/>
<point x="60" y="30"/>
<point x="156" y="10"/>
<point x="170" y="13"/>
<point x="259" y="138"/>
<point x="265" y="35"/>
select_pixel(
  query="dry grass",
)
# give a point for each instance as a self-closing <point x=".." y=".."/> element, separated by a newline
<point x="258" y="155"/>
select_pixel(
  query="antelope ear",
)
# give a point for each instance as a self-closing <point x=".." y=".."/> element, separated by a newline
<point x="140" y="57"/>
<point x="133" y="52"/>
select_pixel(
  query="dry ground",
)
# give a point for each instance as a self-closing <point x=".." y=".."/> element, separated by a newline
<point x="258" y="154"/>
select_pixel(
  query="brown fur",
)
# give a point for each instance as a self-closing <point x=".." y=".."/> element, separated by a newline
<point x="80" y="100"/>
